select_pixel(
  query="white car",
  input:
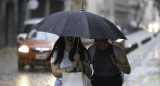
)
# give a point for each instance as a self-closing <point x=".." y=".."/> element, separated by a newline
<point x="28" y="25"/>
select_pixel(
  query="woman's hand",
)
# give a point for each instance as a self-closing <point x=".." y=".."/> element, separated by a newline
<point x="77" y="58"/>
<point x="73" y="66"/>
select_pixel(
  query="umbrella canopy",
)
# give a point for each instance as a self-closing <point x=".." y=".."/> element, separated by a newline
<point x="80" y="24"/>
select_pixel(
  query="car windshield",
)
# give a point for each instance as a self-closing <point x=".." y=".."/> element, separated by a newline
<point x="38" y="35"/>
<point x="28" y="28"/>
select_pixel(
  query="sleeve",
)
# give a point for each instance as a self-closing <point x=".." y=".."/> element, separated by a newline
<point x="53" y="58"/>
<point x="91" y="51"/>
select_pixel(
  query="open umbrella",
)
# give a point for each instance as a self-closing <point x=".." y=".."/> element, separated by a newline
<point x="80" y="24"/>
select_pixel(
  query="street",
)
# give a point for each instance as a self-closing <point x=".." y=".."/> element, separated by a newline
<point x="144" y="63"/>
<point x="10" y="76"/>
<point x="22" y="23"/>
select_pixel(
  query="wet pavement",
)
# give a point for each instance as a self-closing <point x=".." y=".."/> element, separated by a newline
<point x="10" y="76"/>
<point x="144" y="61"/>
<point x="145" y="64"/>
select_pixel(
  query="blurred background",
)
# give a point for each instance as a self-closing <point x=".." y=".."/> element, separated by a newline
<point x="130" y="15"/>
<point x="139" y="20"/>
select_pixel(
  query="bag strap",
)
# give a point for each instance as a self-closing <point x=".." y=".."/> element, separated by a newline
<point x="92" y="50"/>
<point x="116" y="53"/>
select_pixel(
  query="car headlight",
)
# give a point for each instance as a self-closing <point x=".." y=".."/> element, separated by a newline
<point x="119" y="40"/>
<point x="23" y="48"/>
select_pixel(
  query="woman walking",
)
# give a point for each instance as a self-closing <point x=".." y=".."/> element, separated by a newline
<point x="65" y="58"/>
<point x="108" y="62"/>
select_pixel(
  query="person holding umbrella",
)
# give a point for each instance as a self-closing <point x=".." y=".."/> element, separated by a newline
<point x="108" y="61"/>
<point x="65" y="57"/>
<point x="87" y="25"/>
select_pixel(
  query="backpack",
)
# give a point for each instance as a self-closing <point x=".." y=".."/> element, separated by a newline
<point x="115" y="52"/>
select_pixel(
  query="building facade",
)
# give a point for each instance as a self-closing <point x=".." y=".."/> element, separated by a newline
<point x="144" y="12"/>
<point x="70" y="5"/>
<point x="13" y="13"/>
<point x="8" y="22"/>
<point x="115" y="10"/>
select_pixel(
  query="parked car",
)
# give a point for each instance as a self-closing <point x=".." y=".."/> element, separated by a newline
<point x="28" y="25"/>
<point x="35" y="49"/>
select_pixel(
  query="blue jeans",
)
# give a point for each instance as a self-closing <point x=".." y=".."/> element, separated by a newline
<point x="58" y="82"/>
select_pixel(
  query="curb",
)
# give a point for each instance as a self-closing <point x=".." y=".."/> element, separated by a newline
<point x="134" y="46"/>
<point x="146" y="40"/>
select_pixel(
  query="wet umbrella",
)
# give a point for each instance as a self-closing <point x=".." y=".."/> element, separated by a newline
<point x="80" y="24"/>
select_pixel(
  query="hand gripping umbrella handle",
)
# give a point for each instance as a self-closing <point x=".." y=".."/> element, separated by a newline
<point x="77" y="50"/>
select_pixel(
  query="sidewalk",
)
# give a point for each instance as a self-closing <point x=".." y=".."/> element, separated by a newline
<point x="137" y="37"/>
<point x="145" y="64"/>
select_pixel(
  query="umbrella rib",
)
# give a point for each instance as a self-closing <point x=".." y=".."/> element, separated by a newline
<point x="87" y="24"/>
<point x="67" y="20"/>
<point x="119" y="32"/>
<point x="57" y="23"/>
<point x="80" y="24"/>
<point x="112" y="31"/>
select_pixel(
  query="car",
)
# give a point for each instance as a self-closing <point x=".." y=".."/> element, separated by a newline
<point x="28" y="25"/>
<point x="154" y="27"/>
<point x="35" y="49"/>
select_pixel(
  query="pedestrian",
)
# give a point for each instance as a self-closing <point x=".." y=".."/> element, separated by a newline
<point x="107" y="67"/>
<point x="64" y="58"/>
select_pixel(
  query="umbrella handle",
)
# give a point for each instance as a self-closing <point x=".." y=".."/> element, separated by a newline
<point x="77" y="45"/>
<point x="77" y="51"/>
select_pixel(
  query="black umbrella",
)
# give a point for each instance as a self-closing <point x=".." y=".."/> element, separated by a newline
<point x="80" y="24"/>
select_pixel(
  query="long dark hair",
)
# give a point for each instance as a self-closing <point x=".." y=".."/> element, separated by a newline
<point x="60" y="46"/>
